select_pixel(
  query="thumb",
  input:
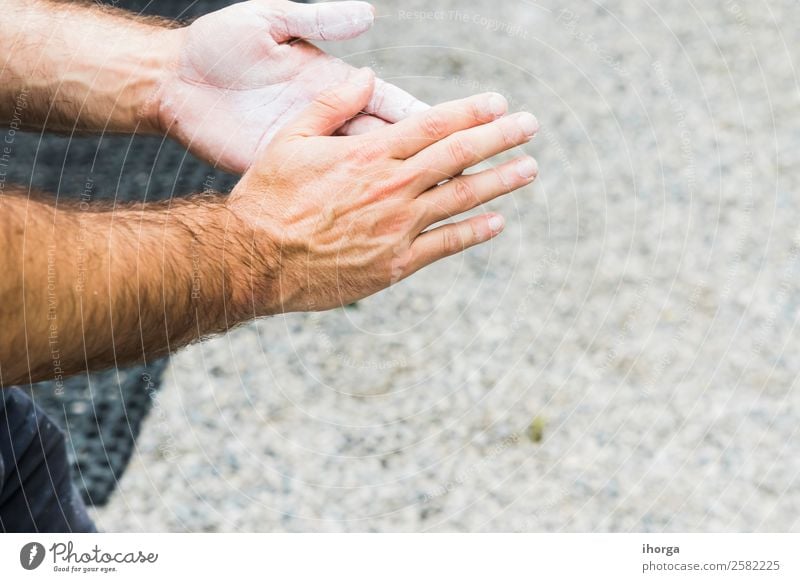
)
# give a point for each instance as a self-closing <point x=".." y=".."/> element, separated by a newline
<point x="327" y="21"/>
<point x="333" y="107"/>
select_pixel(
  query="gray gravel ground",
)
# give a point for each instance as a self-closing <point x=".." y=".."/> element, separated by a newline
<point x="622" y="358"/>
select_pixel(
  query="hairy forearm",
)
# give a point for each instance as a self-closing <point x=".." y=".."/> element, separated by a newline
<point x="86" y="287"/>
<point x="74" y="66"/>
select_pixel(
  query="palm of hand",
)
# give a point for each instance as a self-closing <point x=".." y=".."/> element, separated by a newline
<point x="228" y="96"/>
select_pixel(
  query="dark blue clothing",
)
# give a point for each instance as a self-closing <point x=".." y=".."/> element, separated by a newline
<point x="36" y="491"/>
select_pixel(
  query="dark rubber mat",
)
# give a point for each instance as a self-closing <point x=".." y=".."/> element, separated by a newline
<point x="102" y="414"/>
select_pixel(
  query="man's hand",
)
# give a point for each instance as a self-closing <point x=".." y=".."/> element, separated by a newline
<point x="221" y="86"/>
<point x="243" y="71"/>
<point x="318" y="221"/>
<point x="330" y="220"/>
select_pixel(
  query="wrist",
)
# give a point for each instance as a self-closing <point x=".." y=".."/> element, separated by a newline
<point x="159" y="64"/>
<point x="254" y="260"/>
<point x="209" y="255"/>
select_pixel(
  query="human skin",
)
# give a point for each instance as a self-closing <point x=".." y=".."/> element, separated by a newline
<point x="221" y="86"/>
<point x="319" y="220"/>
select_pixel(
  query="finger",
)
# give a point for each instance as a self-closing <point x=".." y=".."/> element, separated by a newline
<point x="414" y="134"/>
<point x="362" y="124"/>
<point x="450" y="239"/>
<point x="466" y="192"/>
<point x="391" y="103"/>
<point x="452" y="155"/>
<point x="326" y="21"/>
<point x="333" y="107"/>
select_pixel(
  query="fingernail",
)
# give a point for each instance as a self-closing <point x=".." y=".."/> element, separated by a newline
<point x="496" y="105"/>
<point x="527" y="168"/>
<point x="361" y="13"/>
<point x="496" y="223"/>
<point x="528" y="123"/>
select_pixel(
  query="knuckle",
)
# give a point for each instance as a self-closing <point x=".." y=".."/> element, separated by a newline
<point x="476" y="111"/>
<point x="401" y="262"/>
<point x="464" y="196"/>
<point x="474" y="234"/>
<point x="400" y="181"/>
<point x="451" y="241"/>
<point x="507" y="135"/>
<point x="379" y="191"/>
<point x="503" y="183"/>
<point x="392" y="184"/>
<point x="369" y="150"/>
<point x="433" y="125"/>
<point x="403" y="220"/>
<point x="277" y="21"/>
<point x="329" y="103"/>
<point x="456" y="150"/>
